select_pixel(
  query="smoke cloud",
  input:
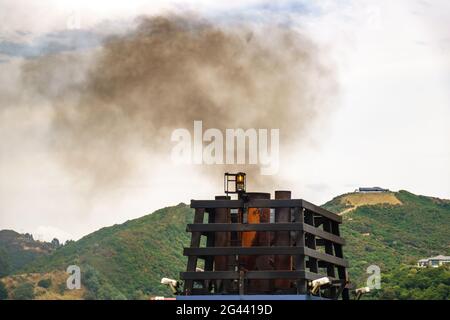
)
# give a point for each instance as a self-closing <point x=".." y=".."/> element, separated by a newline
<point x="129" y="95"/>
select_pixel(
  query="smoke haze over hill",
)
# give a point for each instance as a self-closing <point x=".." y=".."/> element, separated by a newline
<point x="170" y="71"/>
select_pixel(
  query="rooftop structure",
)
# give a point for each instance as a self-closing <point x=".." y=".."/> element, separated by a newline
<point x="258" y="246"/>
<point x="372" y="189"/>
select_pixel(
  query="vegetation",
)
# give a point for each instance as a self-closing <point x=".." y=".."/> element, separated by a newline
<point x="55" y="243"/>
<point x="45" y="283"/>
<point x="3" y="291"/>
<point x="24" y="291"/>
<point x="389" y="235"/>
<point x="127" y="260"/>
<point x="406" y="283"/>
<point x="18" y="250"/>
<point x="57" y="289"/>
<point x="98" y="287"/>
<point x="4" y="263"/>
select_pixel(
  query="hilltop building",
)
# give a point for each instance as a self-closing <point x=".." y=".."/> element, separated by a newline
<point x="434" y="261"/>
<point x="371" y="189"/>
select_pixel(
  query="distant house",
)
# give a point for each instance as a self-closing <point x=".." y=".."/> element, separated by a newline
<point x="372" y="189"/>
<point x="434" y="261"/>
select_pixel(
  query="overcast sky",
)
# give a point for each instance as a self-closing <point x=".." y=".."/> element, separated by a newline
<point x="389" y="127"/>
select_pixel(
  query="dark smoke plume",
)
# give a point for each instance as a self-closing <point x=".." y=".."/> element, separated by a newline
<point x="171" y="70"/>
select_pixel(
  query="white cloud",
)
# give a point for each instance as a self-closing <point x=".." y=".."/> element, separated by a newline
<point x="391" y="128"/>
<point x="48" y="233"/>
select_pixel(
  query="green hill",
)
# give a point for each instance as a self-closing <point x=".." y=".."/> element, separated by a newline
<point x="388" y="233"/>
<point x="413" y="283"/>
<point x="128" y="260"/>
<point x="18" y="250"/>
